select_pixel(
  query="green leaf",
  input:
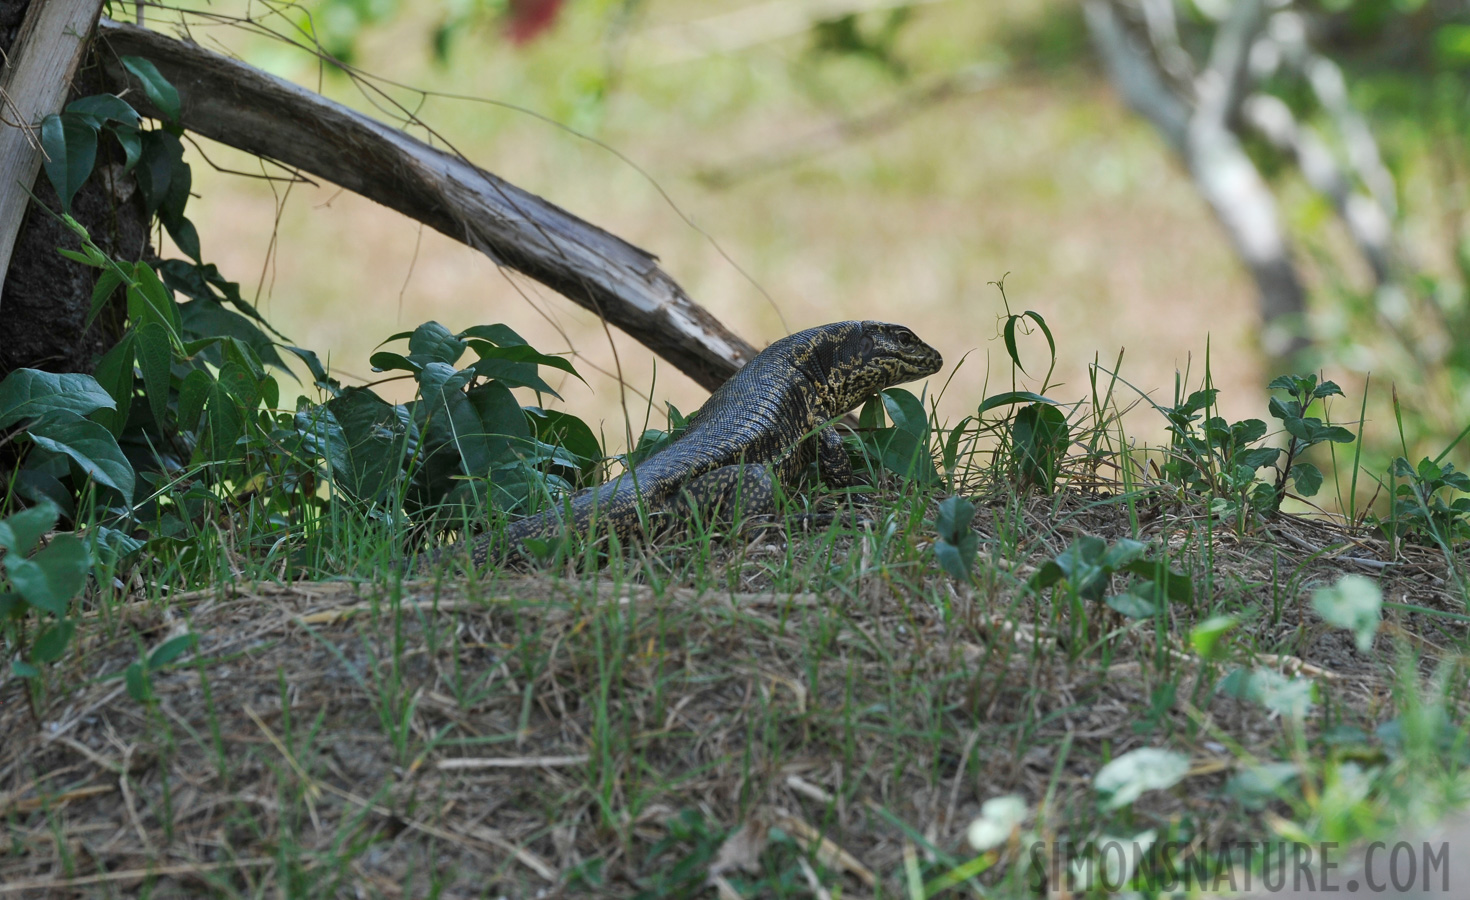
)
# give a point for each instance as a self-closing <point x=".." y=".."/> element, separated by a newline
<point x="385" y="361"/>
<point x="52" y="577"/>
<point x="568" y="431"/>
<point x="525" y="354"/>
<point x="136" y="679"/>
<point x="24" y="669"/>
<point x="158" y="88"/>
<point x="363" y="439"/>
<point x="210" y="318"/>
<point x="193" y="393"/>
<point x="155" y="357"/>
<point x="150" y="301"/>
<point x="1133" y="774"/>
<point x="52" y="642"/>
<point x="453" y="418"/>
<point x="1354" y="603"/>
<point x="907" y="413"/>
<point x="501" y="419"/>
<point x="132" y="144"/>
<point x="953" y="521"/>
<point x="1259" y="785"/>
<point x="1039" y="440"/>
<point x="1177" y="586"/>
<point x="90" y="446"/>
<point x="1133" y="605"/>
<point x="1308" y="479"/>
<point x="500" y="335"/>
<point x="107" y="282"/>
<point x="28" y="394"/>
<point x="114" y="373"/>
<point x="1009" y="398"/>
<point x="70" y="145"/>
<point x="22" y="531"/>
<point x="513" y="374"/>
<point x="171" y="649"/>
<point x="1205" y="637"/>
<point x="162" y="153"/>
<point x="1291" y="697"/>
<point x="101" y="108"/>
<point x="432" y="342"/>
<point x="226" y="419"/>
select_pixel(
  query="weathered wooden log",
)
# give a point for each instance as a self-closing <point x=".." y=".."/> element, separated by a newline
<point x="239" y="105"/>
<point x="36" y="76"/>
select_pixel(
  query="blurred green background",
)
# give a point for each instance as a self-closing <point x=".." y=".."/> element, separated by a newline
<point x="794" y="163"/>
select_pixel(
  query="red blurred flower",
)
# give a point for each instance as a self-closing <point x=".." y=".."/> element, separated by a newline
<point x="525" y="19"/>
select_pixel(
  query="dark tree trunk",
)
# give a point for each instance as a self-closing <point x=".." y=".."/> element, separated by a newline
<point x="47" y="298"/>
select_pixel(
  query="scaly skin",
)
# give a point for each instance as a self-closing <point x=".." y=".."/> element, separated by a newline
<point x="768" y="421"/>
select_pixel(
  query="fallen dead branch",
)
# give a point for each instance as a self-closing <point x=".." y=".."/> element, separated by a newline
<point x="236" y="104"/>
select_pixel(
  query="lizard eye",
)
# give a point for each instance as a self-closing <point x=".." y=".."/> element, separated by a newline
<point x="906" y="338"/>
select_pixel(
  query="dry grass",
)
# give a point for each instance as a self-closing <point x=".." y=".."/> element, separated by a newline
<point x="537" y="733"/>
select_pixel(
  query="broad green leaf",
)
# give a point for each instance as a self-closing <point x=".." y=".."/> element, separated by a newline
<point x="524" y="354"/>
<point x="159" y="90"/>
<point x="1205" y="637"/>
<point x="1308" y="479"/>
<point x="23" y="669"/>
<point x="1039" y="440"/>
<point x="903" y="454"/>
<point x="362" y="438"/>
<point x="90" y="446"/>
<point x="453" y="419"/>
<point x="28" y="394"/>
<point x="20" y="532"/>
<point x="226" y="419"/>
<point x="1291" y="697"/>
<point x="1259" y="785"/>
<point x="319" y="375"/>
<point x="101" y="108"/>
<point x="162" y="153"/>
<point x="513" y="374"/>
<point x="500" y="335"/>
<point x="502" y="420"/>
<point x="70" y="145"/>
<point x="171" y="649"/>
<point x="1132" y="605"/>
<point x="385" y="361"/>
<point x="107" y="282"/>
<point x="241" y="383"/>
<point x="1133" y="774"/>
<point x="193" y="393"/>
<point x="49" y="647"/>
<point x="111" y="546"/>
<point x="114" y="373"/>
<point x="210" y="318"/>
<point x="1177" y="586"/>
<point x="907" y="412"/>
<point x="159" y="304"/>
<point x="432" y="342"/>
<point x="155" y="357"/>
<point x="953" y="520"/>
<point x="132" y="144"/>
<point x="1354" y="603"/>
<point x="1011" y="397"/>
<point x="568" y="431"/>
<point x="53" y="576"/>
<point x="135" y="677"/>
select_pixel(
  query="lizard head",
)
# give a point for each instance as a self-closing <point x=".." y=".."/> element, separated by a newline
<point x="878" y="356"/>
